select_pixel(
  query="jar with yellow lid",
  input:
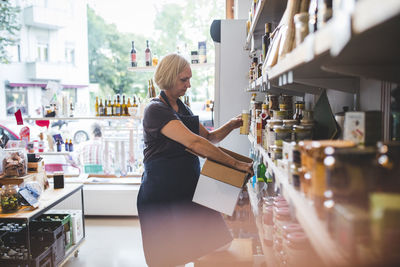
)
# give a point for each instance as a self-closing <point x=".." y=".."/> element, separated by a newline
<point x="270" y="140"/>
<point x="282" y="133"/>
<point x="280" y="114"/>
<point x="276" y="152"/>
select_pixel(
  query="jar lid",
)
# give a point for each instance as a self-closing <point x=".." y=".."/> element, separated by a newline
<point x="281" y="129"/>
<point x="289" y="122"/>
<point x="274" y="122"/>
<point x="283" y="106"/>
<point x="278" y="143"/>
<point x="291" y="228"/>
<point x="279" y="112"/>
<point x="276" y="148"/>
<point x="281" y="204"/>
<point x="297" y="237"/>
<point x="264" y="106"/>
<point x="282" y="211"/>
<point x="279" y="198"/>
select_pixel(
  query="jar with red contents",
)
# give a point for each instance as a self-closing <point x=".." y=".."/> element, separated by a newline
<point x="298" y="249"/>
<point x="281" y="217"/>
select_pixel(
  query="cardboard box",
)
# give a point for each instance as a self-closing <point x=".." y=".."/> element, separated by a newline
<point x="219" y="186"/>
<point x="363" y="127"/>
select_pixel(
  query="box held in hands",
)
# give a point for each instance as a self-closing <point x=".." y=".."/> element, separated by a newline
<point x="219" y="186"/>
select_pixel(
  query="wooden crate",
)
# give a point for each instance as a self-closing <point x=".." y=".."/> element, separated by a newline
<point x="35" y="167"/>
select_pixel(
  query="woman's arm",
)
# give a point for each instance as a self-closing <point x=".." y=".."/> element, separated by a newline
<point x="178" y="132"/>
<point x="219" y="134"/>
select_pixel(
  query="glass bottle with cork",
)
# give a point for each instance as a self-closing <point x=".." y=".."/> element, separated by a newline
<point x="133" y="55"/>
<point x="96" y="106"/>
<point x="123" y="107"/>
<point x="147" y="54"/>
<point x="266" y="40"/>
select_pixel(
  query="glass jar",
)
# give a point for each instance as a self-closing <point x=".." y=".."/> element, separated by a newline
<point x="268" y="225"/>
<point x="273" y="102"/>
<point x="276" y="152"/>
<point x="15" y="162"/>
<point x="281" y="217"/>
<point x="294" y="177"/>
<point x="270" y="140"/>
<point x="282" y="134"/>
<point x="301" y="27"/>
<point x="302" y="132"/>
<point x="318" y="170"/>
<point x="297" y="248"/>
<point x="280" y="114"/>
<point x="9" y="198"/>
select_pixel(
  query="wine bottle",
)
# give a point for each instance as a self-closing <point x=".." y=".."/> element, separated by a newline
<point x="96" y="106"/>
<point x="123" y="107"/>
<point x="266" y="40"/>
<point x="147" y="54"/>
<point x="109" y="107"/>
<point x="133" y="55"/>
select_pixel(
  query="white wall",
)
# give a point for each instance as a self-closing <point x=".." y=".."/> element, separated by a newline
<point x="232" y="64"/>
<point x="241" y="9"/>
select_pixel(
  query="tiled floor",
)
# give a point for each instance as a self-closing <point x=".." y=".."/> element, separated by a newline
<point x="110" y="242"/>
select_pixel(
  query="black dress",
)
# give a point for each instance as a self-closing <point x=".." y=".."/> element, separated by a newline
<point x="176" y="230"/>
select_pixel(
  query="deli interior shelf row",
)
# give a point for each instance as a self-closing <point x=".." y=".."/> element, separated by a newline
<point x="268" y="251"/>
<point x="348" y="47"/>
<point x="315" y="228"/>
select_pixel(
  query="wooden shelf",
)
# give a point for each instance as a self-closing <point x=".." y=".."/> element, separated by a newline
<point x="301" y="69"/>
<point x="152" y="69"/>
<point x="315" y="229"/>
<point x="49" y="199"/>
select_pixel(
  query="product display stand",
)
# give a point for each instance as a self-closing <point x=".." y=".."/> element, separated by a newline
<point x="49" y="199"/>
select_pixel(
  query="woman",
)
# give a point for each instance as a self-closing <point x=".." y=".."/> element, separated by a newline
<point x="174" y="229"/>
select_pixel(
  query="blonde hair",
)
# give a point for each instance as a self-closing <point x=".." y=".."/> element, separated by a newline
<point x="168" y="69"/>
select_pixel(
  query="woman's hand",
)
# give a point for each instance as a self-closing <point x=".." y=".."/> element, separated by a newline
<point x="246" y="167"/>
<point x="236" y="122"/>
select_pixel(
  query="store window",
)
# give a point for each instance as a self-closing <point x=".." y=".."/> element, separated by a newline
<point x="16" y="98"/>
<point x="42" y="52"/>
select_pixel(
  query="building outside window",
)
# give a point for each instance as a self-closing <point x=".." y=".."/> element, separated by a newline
<point x="70" y="54"/>
<point x="42" y="52"/>
<point x="16" y="98"/>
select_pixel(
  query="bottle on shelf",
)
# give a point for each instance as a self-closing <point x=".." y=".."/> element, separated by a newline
<point x="96" y="106"/>
<point x="70" y="146"/>
<point x="147" y="54"/>
<point x="105" y="107"/>
<point x="114" y="107"/>
<point x="71" y="109"/>
<point x="58" y="144"/>
<point x="155" y="60"/>
<point x="118" y="107"/>
<point x="128" y="108"/>
<point x="123" y="107"/>
<point x="266" y="40"/>
<point x="133" y="55"/>
<point x="41" y="142"/>
<point x="109" y="107"/>
<point x="248" y="24"/>
<point x="153" y="89"/>
<point x="259" y="66"/>
<point x="101" y="108"/>
<point x="66" y="145"/>
<point x="134" y="104"/>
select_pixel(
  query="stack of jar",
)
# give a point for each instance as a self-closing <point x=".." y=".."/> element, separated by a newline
<point x="290" y="244"/>
<point x="286" y="126"/>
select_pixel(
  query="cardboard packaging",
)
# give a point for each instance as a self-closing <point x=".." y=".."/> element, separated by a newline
<point x="363" y="127"/>
<point x="219" y="186"/>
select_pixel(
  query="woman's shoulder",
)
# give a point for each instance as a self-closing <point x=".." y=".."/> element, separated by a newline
<point x="156" y="104"/>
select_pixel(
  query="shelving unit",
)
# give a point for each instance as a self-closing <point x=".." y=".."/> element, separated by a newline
<point x="335" y="56"/>
<point x="314" y="228"/>
<point x="153" y="68"/>
<point x="49" y="199"/>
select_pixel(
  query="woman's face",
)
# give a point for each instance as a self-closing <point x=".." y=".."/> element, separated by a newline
<point x="182" y="83"/>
